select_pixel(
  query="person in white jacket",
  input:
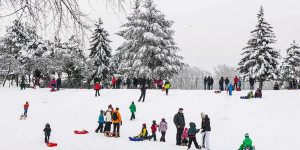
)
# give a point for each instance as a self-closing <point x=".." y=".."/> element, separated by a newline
<point x="108" y="120"/>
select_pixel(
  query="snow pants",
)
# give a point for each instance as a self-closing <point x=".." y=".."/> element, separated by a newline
<point x="143" y="95"/>
<point x="25" y="112"/>
<point x="107" y="126"/>
<point x="205" y="139"/>
<point x="178" y="136"/>
<point x="191" y="140"/>
<point x="100" y="127"/>
<point x="163" y="134"/>
<point x="117" y="128"/>
<point x="235" y="85"/>
<point x="204" y="86"/>
<point x="167" y="91"/>
<point x="132" y="116"/>
<point x="97" y="93"/>
<point x="47" y="138"/>
<point x="153" y="136"/>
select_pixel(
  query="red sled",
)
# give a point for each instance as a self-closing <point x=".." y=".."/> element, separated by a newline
<point x="50" y="86"/>
<point x="81" y="88"/>
<point x="81" y="132"/>
<point x="52" y="91"/>
<point x="164" y="89"/>
<point x="51" y="144"/>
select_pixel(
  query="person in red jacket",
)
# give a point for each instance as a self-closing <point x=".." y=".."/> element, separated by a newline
<point x="26" y="108"/>
<point x="114" y="82"/>
<point x="236" y="80"/>
<point x="154" y="129"/>
<point x="97" y="88"/>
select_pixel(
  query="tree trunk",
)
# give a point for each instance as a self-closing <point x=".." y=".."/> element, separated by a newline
<point x="6" y="77"/>
<point x="260" y="83"/>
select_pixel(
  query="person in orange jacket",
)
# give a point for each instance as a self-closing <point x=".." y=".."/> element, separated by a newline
<point x="26" y="108"/>
<point x="117" y="121"/>
<point x="114" y="82"/>
<point x="97" y="88"/>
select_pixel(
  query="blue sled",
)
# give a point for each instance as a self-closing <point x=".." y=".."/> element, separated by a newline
<point x="135" y="139"/>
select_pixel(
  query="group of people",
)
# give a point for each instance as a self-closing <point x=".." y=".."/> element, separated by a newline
<point x="293" y="83"/>
<point x="162" y="127"/>
<point x="55" y="83"/>
<point x="208" y="83"/>
<point x="185" y="135"/>
<point x="258" y="94"/>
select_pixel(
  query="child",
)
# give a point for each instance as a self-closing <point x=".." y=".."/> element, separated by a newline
<point x="144" y="132"/>
<point x="47" y="131"/>
<point x="97" y="88"/>
<point x="26" y="108"/>
<point x="184" y="137"/>
<point x="192" y="135"/>
<point x="247" y="143"/>
<point x="230" y="88"/>
<point x="101" y="121"/>
<point x="258" y="93"/>
<point x="167" y="87"/>
<point x="163" y="127"/>
<point x="153" y="128"/>
<point x="132" y="110"/>
<point x="249" y="95"/>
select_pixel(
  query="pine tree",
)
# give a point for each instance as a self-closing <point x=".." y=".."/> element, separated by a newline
<point x="149" y="48"/>
<point x="292" y="61"/>
<point x="260" y="59"/>
<point x="100" y="50"/>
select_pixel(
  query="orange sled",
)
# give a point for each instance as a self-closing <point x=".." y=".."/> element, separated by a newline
<point x="81" y="132"/>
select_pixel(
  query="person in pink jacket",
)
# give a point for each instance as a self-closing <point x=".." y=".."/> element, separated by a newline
<point x="53" y="83"/>
<point x="184" y="137"/>
<point x="163" y="127"/>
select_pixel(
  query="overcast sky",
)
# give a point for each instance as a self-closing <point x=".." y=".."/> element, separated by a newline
<point x="211" y="32"/>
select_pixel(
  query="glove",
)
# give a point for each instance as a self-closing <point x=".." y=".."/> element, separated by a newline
<point x="121" y="122"/>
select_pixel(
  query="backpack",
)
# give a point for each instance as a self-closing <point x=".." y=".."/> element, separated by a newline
<point x="115" y="117"/>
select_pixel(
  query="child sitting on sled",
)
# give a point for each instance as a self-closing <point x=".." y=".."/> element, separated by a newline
<point x="249" y="95"/>
<point x="184" y="137"/>
<point x="247" y="143"/>
<point x="143" y="134"/>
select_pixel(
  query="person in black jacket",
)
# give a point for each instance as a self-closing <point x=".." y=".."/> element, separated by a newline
<point x="221" y="84"/>
<point x="135" y="83"/>
<point x="128" y="82"/>
<point x="208" y="83"/>
<point x="226" y="83"/>
<point x="205" y="82"/>
<point x="143" y="93"/>
<point x="118" y="84"/>
<point x="205" y="126"/>
<point x="251" y="81"/>
<point x="58" y="83"/>
<point x="47" y="132"/>
<point x="179" y="123"/>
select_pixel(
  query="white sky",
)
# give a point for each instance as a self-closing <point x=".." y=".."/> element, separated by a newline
<point x="211" y="32"/>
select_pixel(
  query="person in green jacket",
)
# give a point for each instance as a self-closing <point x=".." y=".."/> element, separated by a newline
<point x="247" y="143"/>
<point x="192" y="135"/>
<point x="167" y="87"/>
<point x="133" y="110"/>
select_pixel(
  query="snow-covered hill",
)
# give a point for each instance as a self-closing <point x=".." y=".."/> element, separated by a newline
<point x="272" y="122"/>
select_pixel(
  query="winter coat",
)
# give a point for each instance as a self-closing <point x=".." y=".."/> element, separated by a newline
<point x="179" y="120"/>
<point x="37" y="82"/>
<point x="101" y="118"/>
<point x="23" y="80"/>
<point x="119" y="81"/>
<point x="236" y="80"/>
<point x="192" y="130"/>
<point x="246" y="143"/>
<point x="205" y="80"/>
<point x="155" y="81"/>
<point x="167" y="86"/>
<point x="221" y="82"/>
<point x="53" y="81"/>
<point x="132" y="108"/>
<point x="113" y="80"/>
<point x="128" y="81"/>
<point x="205" y="126"/>
<point x="135" y="81"/>
<point x="154" y="127"/>
<point x="108" y="116"/>
<point x="226" y="81"/>
<point x="47" y="130"/>
<point x="58" y="81"/>
<point x="230" y="87"/>
<point x="160" y="82"/>
<point x="144" y="133"/>
<point x="97" y="87"/>
<point x="26" y="105"/>
<point x="163" y="126"/>
<point x="143" y="89"/>
<point x="251" y="81"/>
<point x="184" y="135"/>
<point x="119" y="117"/>
<point x="240" y="83"/>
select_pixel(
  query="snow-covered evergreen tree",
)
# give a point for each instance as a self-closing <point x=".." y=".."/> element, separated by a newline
<point x="149" y="49"/>
<point x="292" y="61"/>
<point x="260" y="59"/>
<point x="100" y="50"/>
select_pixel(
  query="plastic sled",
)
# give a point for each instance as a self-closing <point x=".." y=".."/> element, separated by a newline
<point x="217" y="92"/>
<point x="136" y="139"/>
<point x="51" y="144"/>
<point x="52" y="91"/>
<point x="81" y="132"/>
<point x="244" y="97"/>
<point x="238" y="89"/>
<point x="163" y="89"/>
<point x="50" y="86"/>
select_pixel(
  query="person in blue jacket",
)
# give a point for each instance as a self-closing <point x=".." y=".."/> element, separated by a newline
<point x="100" y="121"/>
<point x="240" y="84"/>
<point x="230" y="88"/>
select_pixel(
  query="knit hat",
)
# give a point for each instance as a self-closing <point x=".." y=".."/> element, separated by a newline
<point x="180" y="108"/>
<point x="185" y="129"/>
<point x="163" y="119"/>
<point x="246" y="135"/>
<point x="144" y="124"/>
<point x="154" y="121"/>
<point x="202" y="115"/>
<point x="117" y="108"/>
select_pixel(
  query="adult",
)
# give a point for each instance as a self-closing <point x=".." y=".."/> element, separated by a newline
<point x="108" y="119"/>
<point x="226" y="83"/>
<point x="135" y="83"/>
<point x="251" y="81"/>
<point x="205" y="82"/>
<point x="208" y="83"/>
<point x="167" y="87"/>
<point x="53" y="83"/>
<point x="295" y="82"/>
<point x="276" y="86"/>
<point x="221" y="84"/>
<point x="160" y="83"/>
<point x="58" y="83"/>
<point x="132" y="110"/>
<point x="117" y="121"/>
<point x="155" y="83"/>
<point x="128" y="82"/>
<point x="236" y="80"/>
<point x="118" y="83"/>
<point x="23" y="85"/>
<point x="205" y="126"/>
<point x="36" y="82"/>
<point x="97" y="88"/>
<point x="211" y="83"/>
<point x="113" y="81"/>
<point x="179" y="123"/>
<point x="163" y="127"/>
<point x="143" y="93"/>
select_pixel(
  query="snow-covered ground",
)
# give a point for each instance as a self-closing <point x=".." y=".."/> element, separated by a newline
<point x="272" y="122"/>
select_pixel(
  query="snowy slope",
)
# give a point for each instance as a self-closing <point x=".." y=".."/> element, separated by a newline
<point x="272" y="122"/>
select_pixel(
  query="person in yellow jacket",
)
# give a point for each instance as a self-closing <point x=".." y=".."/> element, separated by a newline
<point x="144" y="132"/>
<point x="167" y="87"/>
<point x="117" y="121"/>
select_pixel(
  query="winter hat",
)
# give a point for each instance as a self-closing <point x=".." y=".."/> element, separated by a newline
<point x="117" y="108"/>
<point x="180" y="109"/>
<point x="202" y="115"/>
<point x="154" y="121"/>
<point x="163" y="119"/>
<point x="246" y="135"/>
<point x="132" y="102"/>
<point x="144" y="124"/>
<point x="185" y="129"/>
